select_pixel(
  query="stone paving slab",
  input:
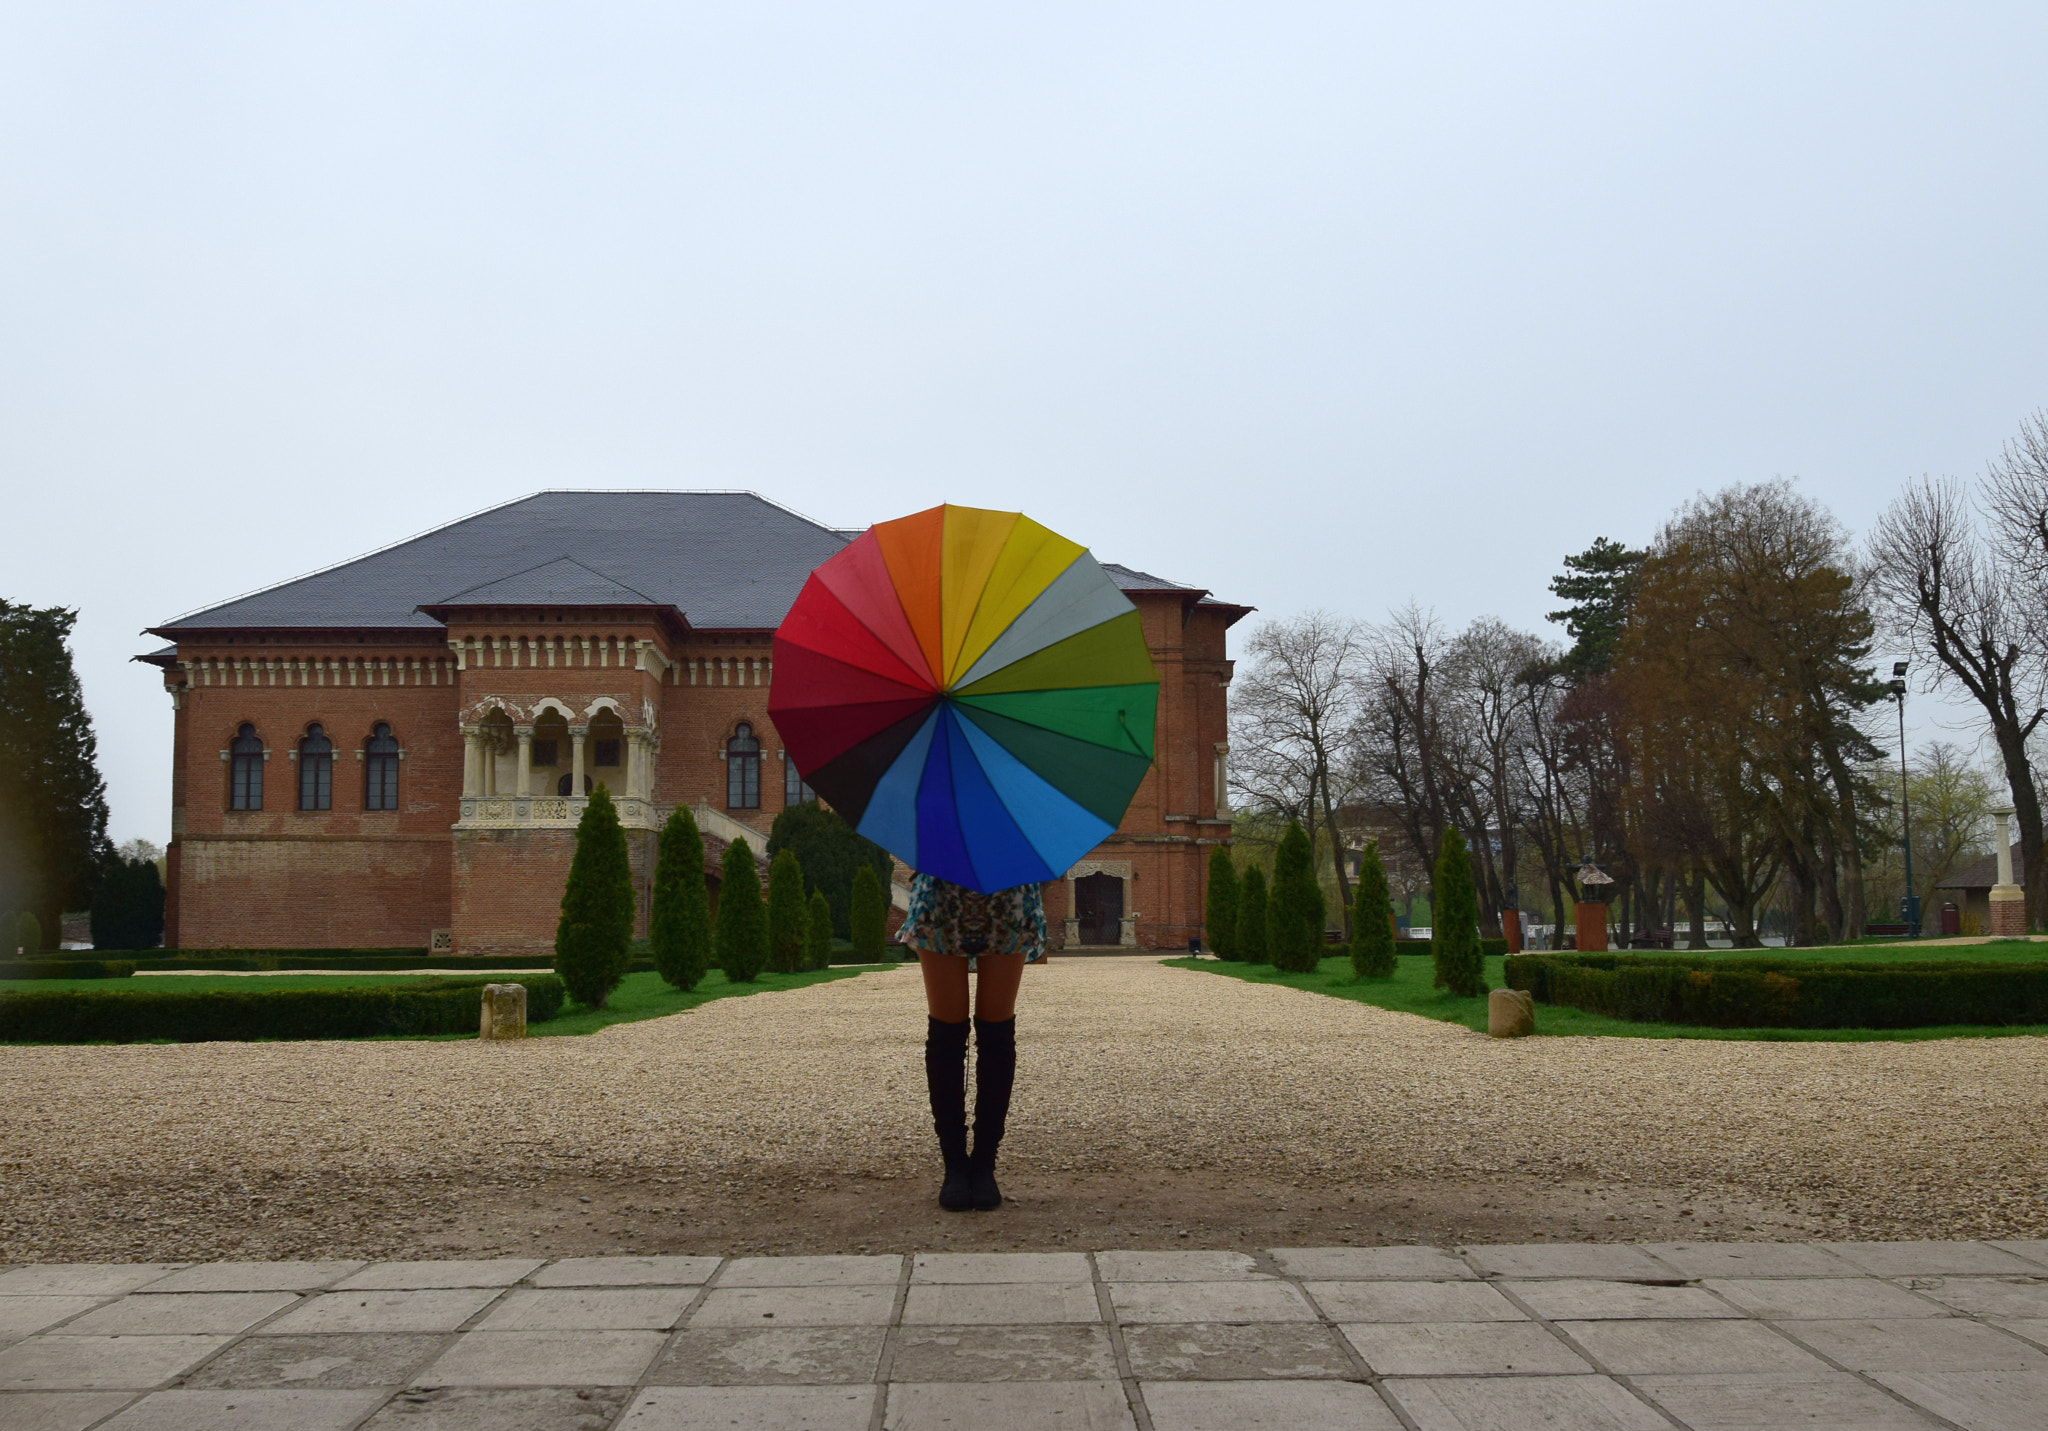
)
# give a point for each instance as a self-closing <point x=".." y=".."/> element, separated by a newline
<point x="1580" y="1403"/>
<point x="1719" y="1336"/>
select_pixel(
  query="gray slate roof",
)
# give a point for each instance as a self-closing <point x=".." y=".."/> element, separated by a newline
<point x="726" y="560"/>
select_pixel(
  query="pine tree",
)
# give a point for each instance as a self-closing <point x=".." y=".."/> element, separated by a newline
<point x="870" y="917"/>
<point x="1454" y="943"/>
<point x="818" y="932"/>
<point x="1251" y="917"/>
<point x="593" y="941"/>
<point x="682" y="909"/>
<point x="1220" y="923"/>
<point x="1372" y="920"/>
<point x="787" y="915"/>
<point x="1294" y="913"/>
<point x="742" y="923"/>
<point x="53" y="804"/>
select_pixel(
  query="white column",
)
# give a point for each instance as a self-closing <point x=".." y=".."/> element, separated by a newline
<point x="2001" y="841"/>
<point x="472" y="764"/>
<point x="576" y="734"/>
<point x="525" y="785"/>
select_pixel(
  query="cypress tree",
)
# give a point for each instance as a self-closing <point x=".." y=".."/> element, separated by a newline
<point x="787" y="915"/>
<point x="682" y="909"/>
<point x="1372" y="920"/>
<point x="1251" y="917"/>
<point x="742" y="923"/>
<point x="1294" y="913"/>
<point x="1454" y="942"/>
<point x="818" y="932"/>
<point x="27" y="932"/>
<point x="1220" y="923"/>
<point x="870" y="917"/>
<point x="593" y="941"/>
<point x="128" y="908"/>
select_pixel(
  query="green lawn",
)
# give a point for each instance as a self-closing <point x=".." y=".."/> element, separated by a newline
<point x="639" y="996"/>
<point x="1410" y="992"/>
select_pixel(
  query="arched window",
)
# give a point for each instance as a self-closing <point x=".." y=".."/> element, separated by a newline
<point x="743" y="770"/>
<point x="380" y="769"/>
<point x="245" y="785"/>
<point x="794" y="790"/>
<point x="316" y="770"/>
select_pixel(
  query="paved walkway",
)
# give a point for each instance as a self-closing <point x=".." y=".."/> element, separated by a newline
<point x="1702" y="1335"/>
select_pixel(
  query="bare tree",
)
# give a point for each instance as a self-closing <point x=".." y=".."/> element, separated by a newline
<point x="1290" y="713"/>
<point x="1976" y="604"/>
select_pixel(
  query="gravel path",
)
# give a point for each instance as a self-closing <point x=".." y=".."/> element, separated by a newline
<point x="1126" y="1066"/>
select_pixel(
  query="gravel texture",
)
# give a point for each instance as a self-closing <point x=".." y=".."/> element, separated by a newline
<point x="1130" y="1071"/>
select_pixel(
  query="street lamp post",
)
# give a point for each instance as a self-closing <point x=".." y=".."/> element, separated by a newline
<point x="1912" y="901"/>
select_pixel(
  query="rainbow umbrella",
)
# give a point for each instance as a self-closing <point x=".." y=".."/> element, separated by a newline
<point x="971" y="691"/>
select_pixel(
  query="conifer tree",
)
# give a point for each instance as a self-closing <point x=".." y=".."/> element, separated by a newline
<point x="1220" y="923"/>
<point x="818" y="932"/>
<point x="128" y="907"/>
<point x="682" y="908"/>
<point x="1372" y="920"/>
<point x="1454" y="943"/>
<point x="787" y="914"/>
<point x="1251" y="916"/>
<point x="593" y="941"/>
<point x="27" y="932"/>
<point x="1294" y="911"/>
<point x="742" y="922"/>
<point x="870" y="917"/>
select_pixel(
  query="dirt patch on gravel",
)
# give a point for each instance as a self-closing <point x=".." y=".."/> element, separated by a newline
<point x="1156" y="1107"/>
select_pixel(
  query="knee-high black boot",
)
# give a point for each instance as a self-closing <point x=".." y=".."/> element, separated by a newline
<point x="995" y="1070"/>
<point x="945" y="1075"/>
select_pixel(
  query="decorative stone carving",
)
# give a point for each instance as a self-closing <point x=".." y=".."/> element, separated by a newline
<point x="504" y="1011"/>
<point x="441" y="941"/>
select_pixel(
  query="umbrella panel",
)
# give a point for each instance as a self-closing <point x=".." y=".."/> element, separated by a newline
<point x="1094" y="777"/>
<point x="1120" y="717"/>
<point x="1111" y="653"/>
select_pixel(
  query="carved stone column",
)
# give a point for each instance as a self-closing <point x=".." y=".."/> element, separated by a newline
<point x="472" y="762"/>
<point x="576" y="735"/>
<point x="2008" y="897"/>
<point x="525" y="777"/>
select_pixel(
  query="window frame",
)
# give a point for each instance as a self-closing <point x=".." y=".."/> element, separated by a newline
<point x="743" y="769"/>
<point x="795" y="789"/>
<point x="380" y="768"/>
<point x="245" y="769"/>
<point x="316" y="771"/>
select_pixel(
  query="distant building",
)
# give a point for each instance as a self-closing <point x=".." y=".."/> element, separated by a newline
<point x="1969" y="890"/>
<point x="396" y="750"/>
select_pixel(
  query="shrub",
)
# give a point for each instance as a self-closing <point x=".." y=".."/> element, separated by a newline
<point x="593" y="941"/>
<point x="1294" y="910"/>
<point x="831" y="854"/>
<point x="1459" y="965"/>
<point x="818" y="931"/>
<point x="1372" y="920"/>
<point x="128" y="909"/>
<point x="1785" y="993"/>
<point x="67" y="968"/>
<point x="27" y="934"/>
<point x="786" y="915"/>
<point x="870" y="917"/>
<point x="1220" y="917"/>
<point x="742" y="923"/>
<point x="237" y="1015"/>
<point x="1251" y="917"/>
<point x="680" y="931"/>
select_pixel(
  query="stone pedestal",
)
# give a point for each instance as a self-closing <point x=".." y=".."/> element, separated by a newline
<point x="1510" y="1013"/>
<point x="1511" y="926"/>
<point x="2008" y="910"/>
<point x="1590" y="923"/>
<point x="504" y="1014"/>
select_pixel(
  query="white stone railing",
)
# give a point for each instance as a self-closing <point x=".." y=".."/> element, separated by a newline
<point x="546" y="812"/>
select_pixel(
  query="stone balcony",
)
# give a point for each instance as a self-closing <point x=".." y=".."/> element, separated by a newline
<point x="549" y="812"/>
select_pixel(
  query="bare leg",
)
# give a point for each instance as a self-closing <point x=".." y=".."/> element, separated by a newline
<point x="995" y="987"/>
<point x="945" y="986"/>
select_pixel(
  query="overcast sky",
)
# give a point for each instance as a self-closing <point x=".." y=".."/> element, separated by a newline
<point x="1316" y="305"/>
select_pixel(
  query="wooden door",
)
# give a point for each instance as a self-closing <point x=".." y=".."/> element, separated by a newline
<point x="1099" y="905"/>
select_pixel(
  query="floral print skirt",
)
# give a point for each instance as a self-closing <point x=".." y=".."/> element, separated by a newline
<point x="947" y="919"/>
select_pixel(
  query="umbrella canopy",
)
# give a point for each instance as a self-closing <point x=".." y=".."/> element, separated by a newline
<point x="971" y="691"/>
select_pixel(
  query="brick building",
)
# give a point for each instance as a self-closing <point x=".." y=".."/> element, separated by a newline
<point x="396" y="749"/>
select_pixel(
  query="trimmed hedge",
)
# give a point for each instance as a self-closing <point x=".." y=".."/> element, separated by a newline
<point x="140" y="1014"/>
<point x="1785" y="993"/>
<point x="1488" y="948"/>
<point x="67" y="969"/>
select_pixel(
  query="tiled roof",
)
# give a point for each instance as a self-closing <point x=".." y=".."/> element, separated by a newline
<point x="726" y="560"/>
